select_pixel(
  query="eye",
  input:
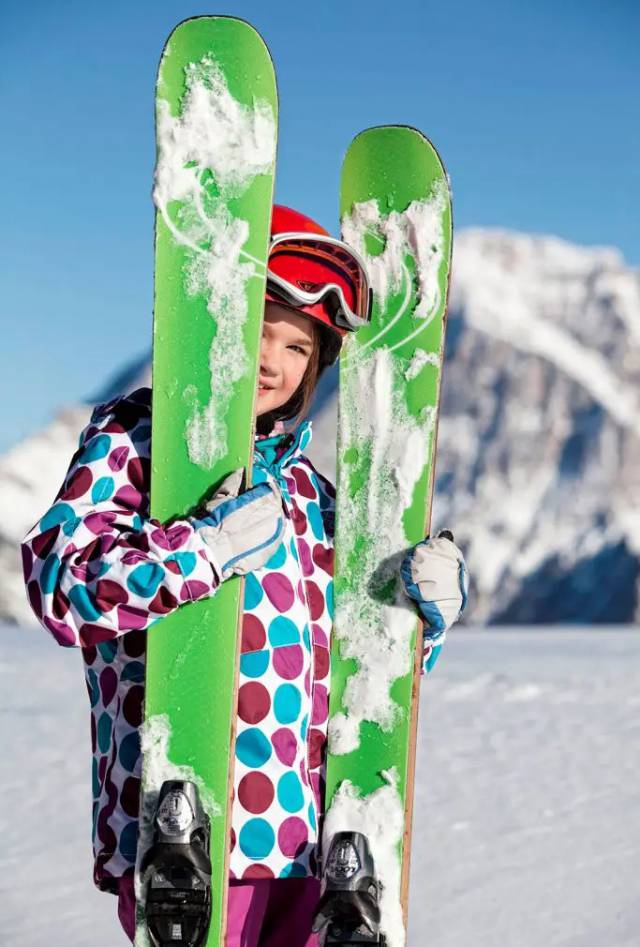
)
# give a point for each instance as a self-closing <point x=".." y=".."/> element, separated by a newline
<point x="298" y="348"/>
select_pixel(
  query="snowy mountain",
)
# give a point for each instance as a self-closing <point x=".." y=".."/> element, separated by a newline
<point x="539" y="440"/>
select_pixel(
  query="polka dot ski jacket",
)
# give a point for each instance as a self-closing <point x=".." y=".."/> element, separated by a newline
<point x="99" y="573"/>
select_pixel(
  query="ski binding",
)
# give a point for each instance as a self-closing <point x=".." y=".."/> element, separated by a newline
<point x="177" y="869"/>
<point x="349" y="911"/>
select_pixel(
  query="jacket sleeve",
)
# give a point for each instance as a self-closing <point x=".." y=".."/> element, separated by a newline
<point x="95" y="565"/>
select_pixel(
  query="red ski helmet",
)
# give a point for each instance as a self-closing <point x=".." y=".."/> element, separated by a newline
<point x="324" y="278"/>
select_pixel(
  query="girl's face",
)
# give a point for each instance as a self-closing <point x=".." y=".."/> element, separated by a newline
<point x="287" y="345"/>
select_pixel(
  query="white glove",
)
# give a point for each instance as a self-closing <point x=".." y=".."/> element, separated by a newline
<point x="241" y="529"/>
<point x="435" y="578"/>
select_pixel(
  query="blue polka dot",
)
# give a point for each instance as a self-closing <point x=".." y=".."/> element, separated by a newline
<point x="102" y="489"/>
<point x="59" y="513"/>
<point x="283" y="631"/>
<point x="136" y="523"/>
<point x="306" y="637"/>
<point x="328" y="596"/>
<point x="97" y="448"/>
<point x="303" y="727"/>
<point x="104" y="732"/>
<point x="286" y="703"/>
<point x="133" y="671"/>
<point x="107" y="650"/>
<point x="293" y="549"/>
<point x="129" y="751"/>
<point x="294" y="870"/>
<point x="94" y="689"/>
<point x="84" y="603"/>
<point x="71" y="525"/>
<point x="312" y="816"/>
<point x="253" y="748"/>
<point x="315" y="519"/>
<point x="256" y="838"/>
<point x="253" y="593"/>
<point x="145" y="579"/>
<point x="255" y="663"/>
<point x="186" y="561"/>
<point x="95" y="782"/>
<point x="278" y="559"/>
<point x="49" y="574"/>
<point x="290" y="794"/>
<point x="129" y="841"/>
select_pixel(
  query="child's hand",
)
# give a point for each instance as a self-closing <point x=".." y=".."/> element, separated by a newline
<point x="242" y="529"/>
<point x="435" y="578"/>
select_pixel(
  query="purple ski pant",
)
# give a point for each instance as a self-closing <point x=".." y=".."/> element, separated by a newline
<point x="261" y="913"/>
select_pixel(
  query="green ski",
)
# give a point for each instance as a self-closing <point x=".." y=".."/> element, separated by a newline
<point x="216" y="122"/>
<point x="396" y="211"/>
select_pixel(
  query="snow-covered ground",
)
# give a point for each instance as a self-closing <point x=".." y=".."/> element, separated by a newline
<point x="527" y="817"/>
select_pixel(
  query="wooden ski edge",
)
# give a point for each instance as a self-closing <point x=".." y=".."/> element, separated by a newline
<point x="418" y="654"/>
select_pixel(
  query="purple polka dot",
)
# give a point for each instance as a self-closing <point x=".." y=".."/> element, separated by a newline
<point x="78" y="485"/>
<point x="303" y="483"/>
<point x="305" y="558"/>
<point x="130" y="796"/>
<point x="108" y="685"/>
<point x="299" y="521"/>
<point x="279" y="591"/>
<point x="98" y="523"/>
<point x="44" y="542"/>
<point x="171" y="538"/>
<point x="192" y="590"/>
<point x="109" y="594"/>
<point x="321" y="662"/>
<point x="60" y="631"/>
<point x="288" y="661"/>
<point x="319" y="637"/>
<point x="323" y="558"/>
<point x="303" y="772"/>
<point x="129" y="496"/>
<point x="139" y="472"/>
<point x="129" y="617"/>
<point x="320" y="704"/>
<point x="118" y="458"/>
<point x="293" y="836"/>
<point x="291" y="485"/>
<point x="285" y="745"/>
<point x="27" y="562"/>
<point x="307" y="683"/>
<point x="133" y="704"/>
<point x="254" y="635"/>
<point x="316" y="600"/>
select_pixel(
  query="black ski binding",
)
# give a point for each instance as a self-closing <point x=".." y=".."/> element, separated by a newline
<point x="177" y="869"/>
<point x="349" y="911"/>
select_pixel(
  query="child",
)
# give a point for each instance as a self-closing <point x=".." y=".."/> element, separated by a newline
<point x="99" y="572"/>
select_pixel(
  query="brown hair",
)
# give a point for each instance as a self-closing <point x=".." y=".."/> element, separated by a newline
<point x="326" y="346"/>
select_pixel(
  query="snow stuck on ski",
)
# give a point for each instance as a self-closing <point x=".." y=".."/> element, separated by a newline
<point x="208" y="154"/>
<point x="375" y="422"/>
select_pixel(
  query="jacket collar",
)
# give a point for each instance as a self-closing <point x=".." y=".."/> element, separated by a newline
<point x="280" y="450"/>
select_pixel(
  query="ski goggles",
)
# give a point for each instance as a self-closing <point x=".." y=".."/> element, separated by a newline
<point x="306" y="269"/>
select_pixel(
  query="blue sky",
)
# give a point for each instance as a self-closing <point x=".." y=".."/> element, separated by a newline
<point x="533" y="106"/>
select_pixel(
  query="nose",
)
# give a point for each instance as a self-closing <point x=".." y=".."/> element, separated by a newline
<point x="268" y="357"/>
